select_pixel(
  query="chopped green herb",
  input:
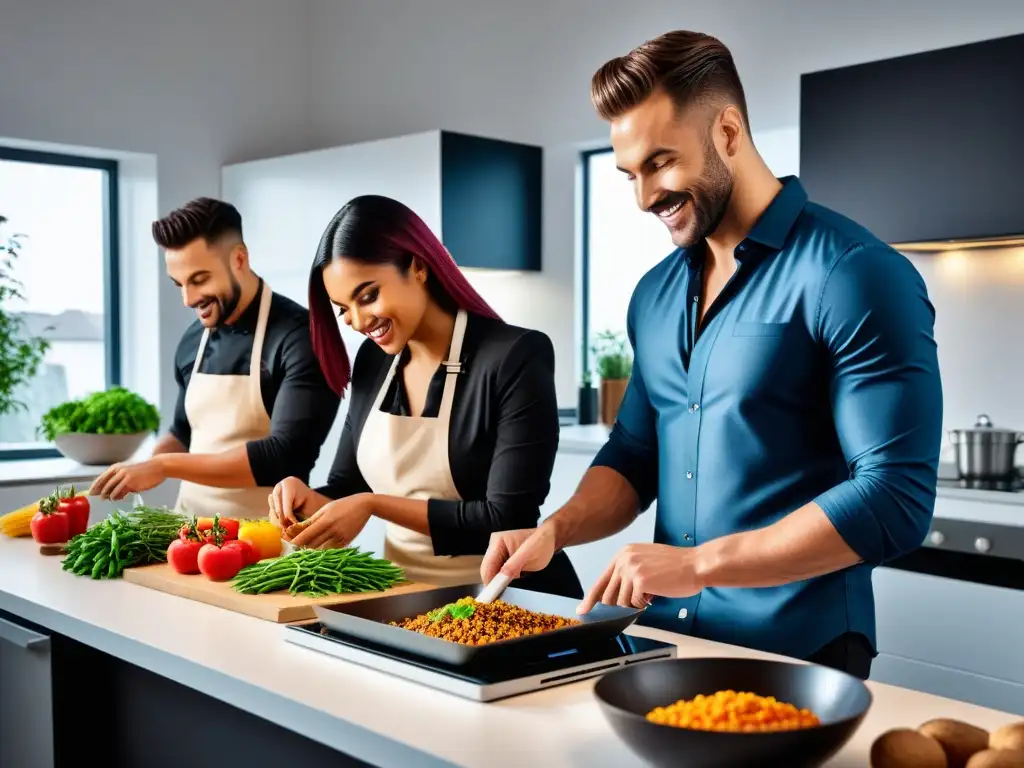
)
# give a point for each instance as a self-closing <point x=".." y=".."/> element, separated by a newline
<point x="454" y="610"/>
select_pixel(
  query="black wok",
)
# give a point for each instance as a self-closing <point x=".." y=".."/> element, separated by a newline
<point x="839" y="700"/>
<point x="369" y="620"/>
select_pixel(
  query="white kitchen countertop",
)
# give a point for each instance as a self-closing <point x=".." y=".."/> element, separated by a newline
<point x="57" y="470"/>
<point x="374" y="717"/>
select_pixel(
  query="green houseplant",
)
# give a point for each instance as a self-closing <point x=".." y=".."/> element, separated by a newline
<point x="20" y="354"/>
<point x="614" y="366"/>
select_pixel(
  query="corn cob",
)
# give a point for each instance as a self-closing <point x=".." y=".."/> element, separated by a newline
<point x="17" y="523"/>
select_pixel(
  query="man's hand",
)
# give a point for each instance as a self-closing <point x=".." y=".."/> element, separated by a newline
<point x="512" y="552"/>
<point x="642" y="571"/>
<point x="119" y="480"/>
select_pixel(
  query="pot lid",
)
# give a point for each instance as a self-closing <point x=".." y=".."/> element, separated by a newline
<point x="984" y="424"/>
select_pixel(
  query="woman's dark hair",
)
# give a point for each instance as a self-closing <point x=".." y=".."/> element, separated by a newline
<point x="372" y="229"/>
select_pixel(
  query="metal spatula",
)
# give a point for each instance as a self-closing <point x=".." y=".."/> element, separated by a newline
<point x="494" y="588"/>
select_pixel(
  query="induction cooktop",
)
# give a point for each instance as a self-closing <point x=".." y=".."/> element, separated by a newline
<point x="492" y="681"/>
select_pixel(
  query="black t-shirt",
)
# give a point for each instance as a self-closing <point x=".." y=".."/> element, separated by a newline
<point x="295" y="393"/>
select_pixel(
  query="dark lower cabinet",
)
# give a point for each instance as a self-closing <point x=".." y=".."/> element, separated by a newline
<point x="119" y="715"/>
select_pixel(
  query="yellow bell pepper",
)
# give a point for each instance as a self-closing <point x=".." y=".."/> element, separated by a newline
<point x="263" y="536"/>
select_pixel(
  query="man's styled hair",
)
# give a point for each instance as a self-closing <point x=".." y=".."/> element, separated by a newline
<point x="203" y="217"/>
<point x="691" y="67"/>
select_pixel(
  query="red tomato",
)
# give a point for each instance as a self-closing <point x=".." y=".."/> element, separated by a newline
<point x="219" y="563"/>
<point x="49" y="526"/>
<point x="77" y="510"/>
<point x="249" y="553"/>
<point x="229" y="524"/>
<point x="183" y="556"/>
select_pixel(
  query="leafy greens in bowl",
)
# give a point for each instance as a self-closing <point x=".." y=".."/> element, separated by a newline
<point x="116" y="411"/>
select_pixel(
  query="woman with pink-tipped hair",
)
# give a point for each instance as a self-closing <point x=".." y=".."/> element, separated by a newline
<point x="452" y="423"/>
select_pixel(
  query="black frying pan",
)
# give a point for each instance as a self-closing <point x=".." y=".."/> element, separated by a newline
<point x="839" y="700"/>
<point x="368" y="620"/>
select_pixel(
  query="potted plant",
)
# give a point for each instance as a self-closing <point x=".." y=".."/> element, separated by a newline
<point x="586" y="410"/>
<point x="614" y="366"/>
<point x="20" y="355"/>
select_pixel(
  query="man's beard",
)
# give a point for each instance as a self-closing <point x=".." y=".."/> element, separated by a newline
<point x="229" y="303"/>
<point x="709" y="195"/>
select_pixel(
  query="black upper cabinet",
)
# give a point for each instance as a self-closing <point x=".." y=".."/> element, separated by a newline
<point x="491" y="202"/>
<point x="923" y="147"/>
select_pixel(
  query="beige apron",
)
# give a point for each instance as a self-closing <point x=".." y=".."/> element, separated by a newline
<point x="407" y="456"/>
<point x="226" y="412"/>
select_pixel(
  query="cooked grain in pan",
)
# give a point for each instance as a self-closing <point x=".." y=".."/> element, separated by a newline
<point x="471" y="623"/>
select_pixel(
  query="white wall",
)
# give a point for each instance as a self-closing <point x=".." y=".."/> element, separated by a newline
<point x="192" y="84"/>
<point x="200" y="83"/>
<point x="391" y="67"/>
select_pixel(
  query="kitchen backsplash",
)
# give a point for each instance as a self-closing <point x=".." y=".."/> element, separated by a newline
<point x="979" y="303"/>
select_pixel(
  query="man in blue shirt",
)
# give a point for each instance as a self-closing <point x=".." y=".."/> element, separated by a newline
<point x="785" y="405"/>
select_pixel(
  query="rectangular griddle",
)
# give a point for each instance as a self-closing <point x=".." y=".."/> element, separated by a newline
<point x="487" y="682"/>
<point x="368" y="620"/>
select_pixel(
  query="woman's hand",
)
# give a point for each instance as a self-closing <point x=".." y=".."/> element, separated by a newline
<point x="336" y="524"/>
<point x="292" y="498"/>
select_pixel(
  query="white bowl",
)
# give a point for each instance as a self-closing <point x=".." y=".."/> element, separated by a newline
<point x="99" y="450"/>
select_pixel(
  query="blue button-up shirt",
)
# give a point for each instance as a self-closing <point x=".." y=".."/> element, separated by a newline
<point x="814" y="377"/>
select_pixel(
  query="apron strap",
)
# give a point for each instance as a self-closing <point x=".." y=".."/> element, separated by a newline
<point x="386" y="383"/>
<point x="200" y="351"/>
<point x="261" y="332"/>
<point x="454" y="367"/>
<point x="257" y="343"/>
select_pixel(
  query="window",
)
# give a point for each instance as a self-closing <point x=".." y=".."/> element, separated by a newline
<point x="620" y="244"/>
<point x="66" y="209"/>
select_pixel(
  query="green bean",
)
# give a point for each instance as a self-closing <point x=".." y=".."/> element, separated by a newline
<point x="318" y="573"/>
<point x="122" y="540"/>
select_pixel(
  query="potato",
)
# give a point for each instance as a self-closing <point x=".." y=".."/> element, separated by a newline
<point x="1010" y="736"/>
<point x="997" y="758"/>
<point x="959" y="740"/>
<point x="905" y="748"/>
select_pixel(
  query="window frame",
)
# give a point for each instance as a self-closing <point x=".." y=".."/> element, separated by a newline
<point x="585" y="157"/>
<point x="111" y="269"/>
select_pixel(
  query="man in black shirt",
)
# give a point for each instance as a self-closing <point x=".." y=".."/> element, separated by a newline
<point x="253" y="405"/>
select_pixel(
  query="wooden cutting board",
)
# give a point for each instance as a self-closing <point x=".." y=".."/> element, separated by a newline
<point x="278" y="607"/>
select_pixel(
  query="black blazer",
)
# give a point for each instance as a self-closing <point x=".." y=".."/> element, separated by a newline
<point x="501" y="444"/>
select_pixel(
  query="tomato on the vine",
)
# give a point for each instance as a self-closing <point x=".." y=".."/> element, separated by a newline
<point x="49" y="526"/>
<point x="76" y="507"/>
<point x="249" y="553"/>
<point x="183" y="555"/>
<point x="229" y="524"/>
<point x="219" y="563"/>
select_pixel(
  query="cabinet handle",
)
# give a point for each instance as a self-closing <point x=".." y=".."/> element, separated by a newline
<point x="23" y="637"/>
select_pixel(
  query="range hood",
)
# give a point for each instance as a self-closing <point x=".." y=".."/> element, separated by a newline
<point x="925" y="150"/>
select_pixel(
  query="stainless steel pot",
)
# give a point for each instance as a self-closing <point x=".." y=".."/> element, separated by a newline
<point x="986" y="452"/>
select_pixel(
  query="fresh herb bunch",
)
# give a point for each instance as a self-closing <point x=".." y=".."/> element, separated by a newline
<point x="614" y="361"/>
<point x="319" y="573"/>
<point x="20" y="355"/>
<point x="116" y="411"/>
<point x="123" y="540"/>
